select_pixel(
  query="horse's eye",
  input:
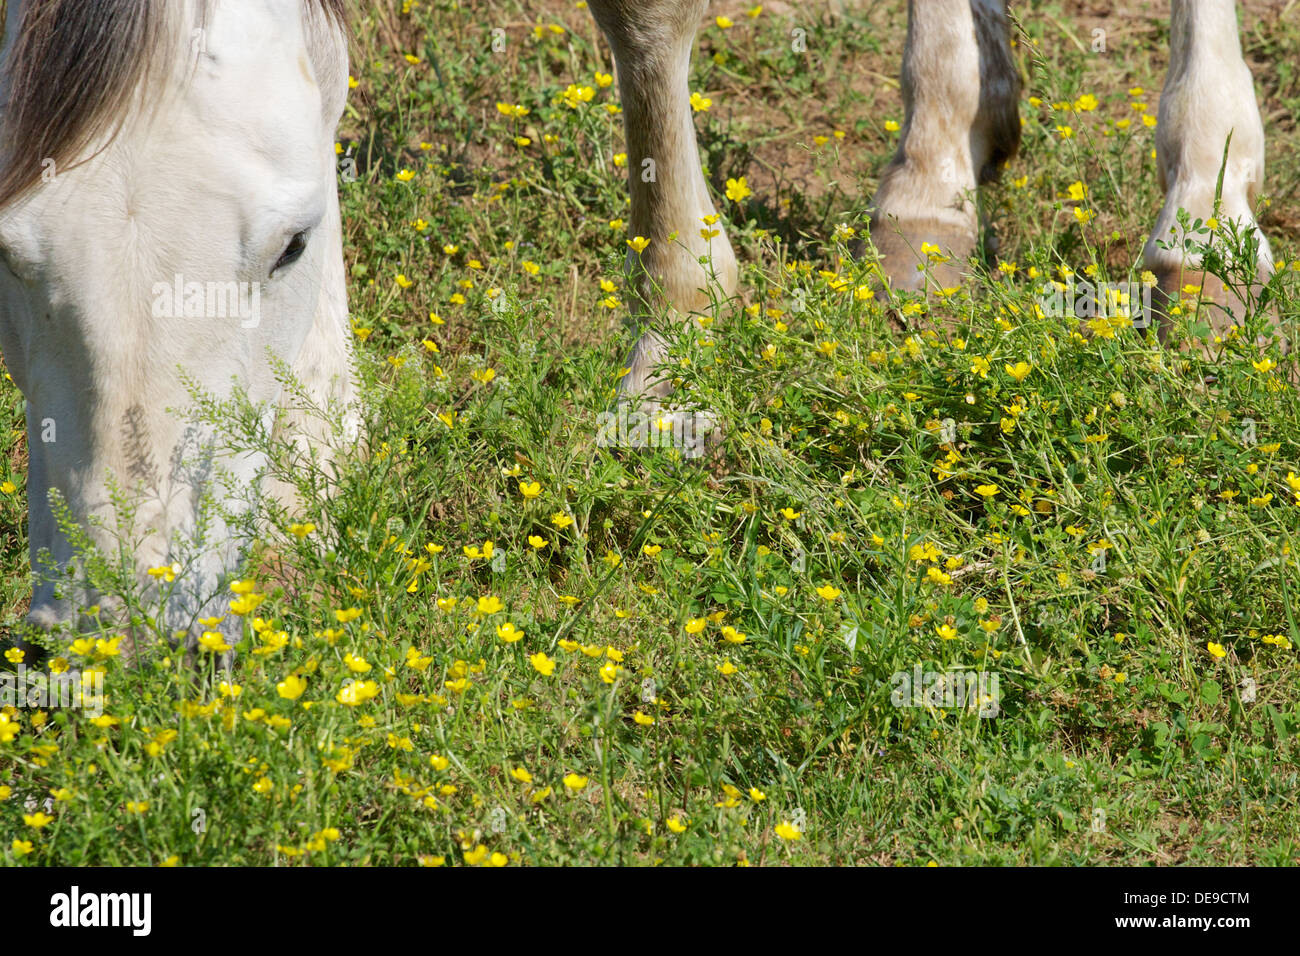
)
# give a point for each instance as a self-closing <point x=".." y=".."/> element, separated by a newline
<point x="292" y="252"/>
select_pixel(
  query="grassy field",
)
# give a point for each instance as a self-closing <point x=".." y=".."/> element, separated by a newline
<point x="501" y="643"/>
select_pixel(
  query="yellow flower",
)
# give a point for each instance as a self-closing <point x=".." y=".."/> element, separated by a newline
<point x="638" y="243"/>
<point x="405" y="176"/>
<point x="738" y="189"/>
<point x="677" y="825"/>
<point x="574" y="782"/>
<point x="475" y="554"/>
<point x="695" y="625"/>
<point x="509" y="633"/>
<point x="574" y="95"/>
<point x="357" y="692"/>
<point x="1019" y="371"/>
<point x="987" y="491"/>
<point x="213" y="642"/>
<point x="610" y="672"/>
<point x="542" y="664"/>
<point x="167" y="572"/>
<point x="828" y="593"/>
<point x="700" y="103"/>
<point x="490" y="604"/>
<point x="522" y="775"/>
<point x="291" y="688"/>
<point x="788" y="831"/>
<point x="733" y="636"/>
<point x="1216" y="649"/>
<point x="37" y="820"/>
<point x="246" y="604"/>
<point x="643" y="719"/>
<point x="946" y="631"/>
<point x="358" y="665"/>
<point x="417" y="661"/>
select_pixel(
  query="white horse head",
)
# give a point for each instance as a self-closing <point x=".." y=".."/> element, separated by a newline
<point x="168" y="208"/>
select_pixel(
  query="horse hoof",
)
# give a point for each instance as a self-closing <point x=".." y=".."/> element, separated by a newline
<point x="919" y="255"/>
<point x="1221" y="308"/>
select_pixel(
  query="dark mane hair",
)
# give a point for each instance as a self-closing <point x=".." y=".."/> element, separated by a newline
<point x="73" y="70"/>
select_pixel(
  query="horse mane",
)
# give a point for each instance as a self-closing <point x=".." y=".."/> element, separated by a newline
<point x="74" y="69"/>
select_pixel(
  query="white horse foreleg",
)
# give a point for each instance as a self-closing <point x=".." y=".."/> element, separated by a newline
<point x="652" y="42"/>
<point x="961" y="124"/>
<point x="1208" y="95"/>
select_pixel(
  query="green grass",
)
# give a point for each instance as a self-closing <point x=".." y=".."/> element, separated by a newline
<point x="1122" y="700"/>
